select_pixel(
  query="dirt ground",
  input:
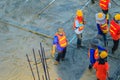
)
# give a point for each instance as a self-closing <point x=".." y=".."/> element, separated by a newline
<point x="16" y="43"/>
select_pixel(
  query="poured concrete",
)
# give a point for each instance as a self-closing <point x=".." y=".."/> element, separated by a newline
<point x="15" y="43"/>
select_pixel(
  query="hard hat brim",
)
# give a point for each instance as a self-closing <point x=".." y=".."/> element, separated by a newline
<point x="100" y="20"/>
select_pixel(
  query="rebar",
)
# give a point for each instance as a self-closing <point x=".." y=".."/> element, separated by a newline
<point x="40" y="51"/>
<point x="30" y="67"/>
<point x="36" y="64"/>
<point x="46" y="64"/>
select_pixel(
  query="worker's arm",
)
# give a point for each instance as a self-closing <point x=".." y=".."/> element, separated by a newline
<point x="55" y="41"/>
<point x="101" y="48"/>
<point x="84" y="22"/>
<point x="109" y="4"/>
<point x="53" y="50"/>
<point x="99" y="30"/>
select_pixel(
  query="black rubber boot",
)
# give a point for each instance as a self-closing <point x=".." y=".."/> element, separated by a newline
<point x="90" y="67"/>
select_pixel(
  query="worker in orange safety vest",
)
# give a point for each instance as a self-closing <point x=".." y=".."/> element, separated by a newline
<point x="93" y="52"/>
<point x="115" y="31"/>
<point x="102" y="27"/>
<point x="102" y="67"/>
<point x="59" y="44"/>
<point x="78" y="26"/>
<point x="105" y="5"/>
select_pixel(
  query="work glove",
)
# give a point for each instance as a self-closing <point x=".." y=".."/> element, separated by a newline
<point x="53" y="51"/>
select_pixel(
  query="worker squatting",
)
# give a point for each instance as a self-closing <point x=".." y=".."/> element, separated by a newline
<point x="97" y="54"/>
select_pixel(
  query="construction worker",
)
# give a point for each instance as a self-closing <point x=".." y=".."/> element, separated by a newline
<point x="115" y="31"/>
<point x="59" y="44"/>
<point x="78" y="26"/>
<point x="102" y="67"/>
<point x="93" y="52"/>
<point x="105" y="5"/>
<point x="102" y="26"/>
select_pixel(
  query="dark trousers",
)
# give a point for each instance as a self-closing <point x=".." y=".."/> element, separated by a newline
<point x="115" y="46"/>
<point x="106" y="14"/>
<point x="61" y="55"/>
<point x="79" y="40"/>
<point x="105" y="39"/>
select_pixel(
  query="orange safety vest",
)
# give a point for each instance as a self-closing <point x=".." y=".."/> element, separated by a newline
<point x="80" y="20"/>
<point x="104" y="28"/>
<point x="96" y="54"/>
<point x="114" y="30"/>
<point x="104" y="4"/>
<point x="62" y="40"/>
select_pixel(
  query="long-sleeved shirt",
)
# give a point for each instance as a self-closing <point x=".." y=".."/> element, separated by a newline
<point x="99" y="30"/>
<point x="56" y="42"/>
<point x="92" y="52"/>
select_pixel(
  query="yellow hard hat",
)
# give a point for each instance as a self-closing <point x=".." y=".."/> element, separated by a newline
<point x="117" y="16"/>
<point x="103" y="54"/>
<point x="79" y="13"/>
<point x="100" y="15"/>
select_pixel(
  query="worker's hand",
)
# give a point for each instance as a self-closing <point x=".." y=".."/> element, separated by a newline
<point x="84" y="22"/>
<point x="67" y="43"/>
<point x="53" y="53"/>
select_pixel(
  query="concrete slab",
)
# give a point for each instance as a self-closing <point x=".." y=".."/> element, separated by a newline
<point x="16" y="43"/>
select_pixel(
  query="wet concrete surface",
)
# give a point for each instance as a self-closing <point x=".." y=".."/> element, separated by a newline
<point x="15" y="43"/>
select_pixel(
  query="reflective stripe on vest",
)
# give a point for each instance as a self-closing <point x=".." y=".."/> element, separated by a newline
<point x="112" y="31"/>
<point x="113" y="27"/>
<point x="62" y="40"/>
<point x="78" y="24"/>
<point x="96" y="54"/>
<point x="104" y="4"/>
<point x="104" y="28"/>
